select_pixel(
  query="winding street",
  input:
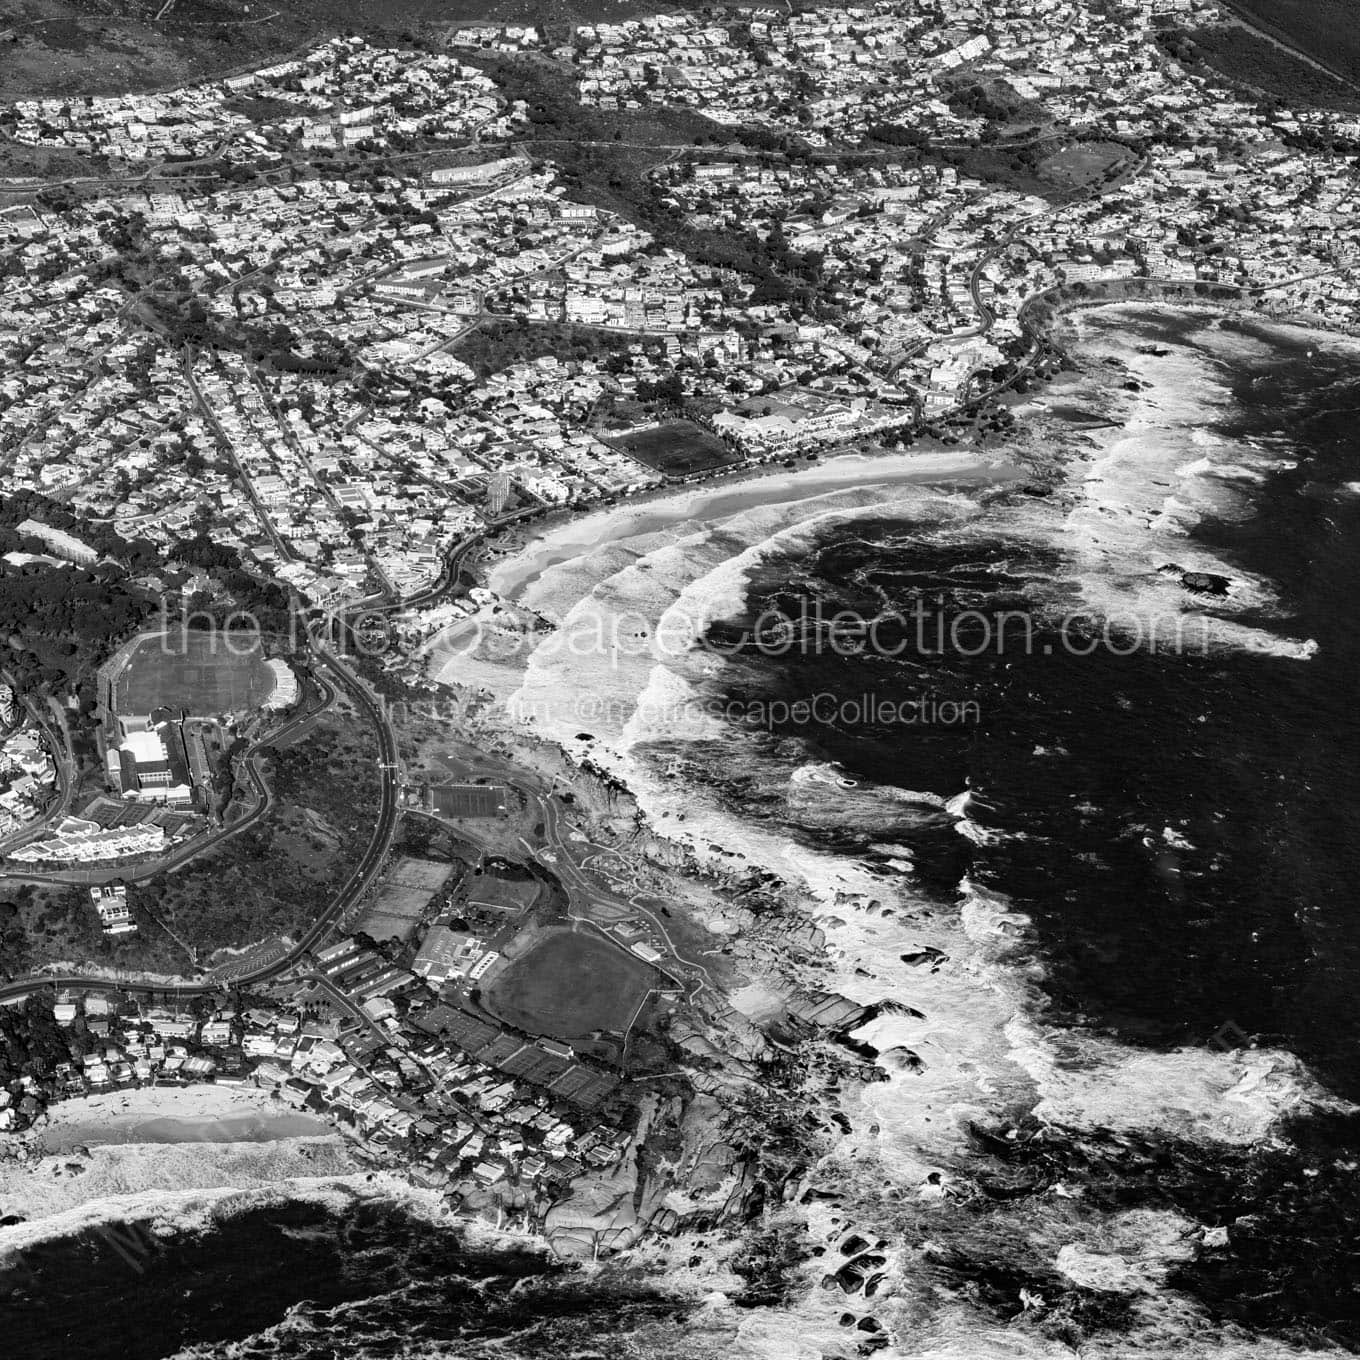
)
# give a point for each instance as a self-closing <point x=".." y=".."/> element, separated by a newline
<point x="578" y="883"/>
<point x="53" y="730"/>
<point x="252" y="763"/>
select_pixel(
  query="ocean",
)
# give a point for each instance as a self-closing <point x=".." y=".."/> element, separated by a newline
<point x="1175" y="821"/>
<point x="1180" y="827"/>
<point x="272" y="1276"/>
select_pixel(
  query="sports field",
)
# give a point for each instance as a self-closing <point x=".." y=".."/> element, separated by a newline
<point x="677" y="449"/>
<point x="407" y="889"/>
<point x="568" y="985"/>
<point x="1085" y="163"/>
<point x="468" y="800"/>
<point x="203" y="673"/>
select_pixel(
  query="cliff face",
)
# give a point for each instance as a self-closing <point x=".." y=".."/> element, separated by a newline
<point x="660" y="851"/>
<point x="599" y="790"/>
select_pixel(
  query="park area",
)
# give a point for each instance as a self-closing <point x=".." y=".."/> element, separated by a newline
<point x="507" y="892"/>
<point x="1083" y="164"/>
<point x="199" y="672"/>
<point x="570" y="984"/>
<point x="676" y="449"/>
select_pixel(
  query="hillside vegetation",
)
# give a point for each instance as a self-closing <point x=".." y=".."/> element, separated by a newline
<point x="1325" y="30"/>
<point x="83" y="47"/>
<point x="1259" y="67"/>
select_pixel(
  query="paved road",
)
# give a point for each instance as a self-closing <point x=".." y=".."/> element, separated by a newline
<point x="565" y="850"/>
<point x="253" y="763"/>
<point x="205" y="408"/>
<point x="272" y="962"/>
<point x="563" y="855"/>
<point x="53" y="728"/>
<point x="560" y="855"/>
<point x="380" y="843"/>
<point x="250" y="961"/>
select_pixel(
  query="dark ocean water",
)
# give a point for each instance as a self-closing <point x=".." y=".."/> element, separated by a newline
<point x="1182" y="830"/>
<point x="1247" y="914"/>
<point x="368" y="1280"/>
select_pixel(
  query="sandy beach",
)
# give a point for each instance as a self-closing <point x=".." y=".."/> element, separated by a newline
<point x="57" y="1184"/>
<point x="139" y="1142"/>
<point x="525" y="557"/>
<point x="960" y="1031"/>
<point x="188" y="1202"/>
<point x="548" y="571"/>
<point x="173" y="1114"/>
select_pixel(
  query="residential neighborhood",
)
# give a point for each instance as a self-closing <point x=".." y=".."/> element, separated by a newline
<point x="364" y="445"/>
<point x="461" y="1104"/>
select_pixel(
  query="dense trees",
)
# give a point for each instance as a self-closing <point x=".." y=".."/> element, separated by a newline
<point x="31" y="1041"/>
<point x="18" y="506"/>
<point x="1258" y="66"/>
<point x="498" y="345"/>
<point x="59" y="622"/>
<point x="983" y="101"/>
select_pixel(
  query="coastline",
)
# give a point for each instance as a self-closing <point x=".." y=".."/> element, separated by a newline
<point x="536" y="578"/>
<point x="962" y="1039"/>
<point x="513" y="561"/>
<point x="108" y="1181"/>
<point x="165" y="1209"/>
<point x="522" y="556"/>
<point x="979" y="1043"/>
<point x="1128" y="495"/>
<point x="102" y="1149"/>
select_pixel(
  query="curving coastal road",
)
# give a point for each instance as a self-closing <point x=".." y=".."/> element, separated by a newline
<point x="364" y="872"/>
<point x="280" y="961"/>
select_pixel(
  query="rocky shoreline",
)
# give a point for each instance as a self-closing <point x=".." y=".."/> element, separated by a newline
<point x="879" y="1076"/>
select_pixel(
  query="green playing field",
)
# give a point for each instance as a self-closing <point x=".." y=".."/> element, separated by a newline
<point x="200" y="672"/>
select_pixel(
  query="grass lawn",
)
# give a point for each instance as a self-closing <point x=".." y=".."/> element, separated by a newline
<point x="1083" y="163"/>
<point x="676" y="449"/>
<point x="570" y="984"/>
<point x="202" y="672"/>
<point x="503" y="893"/>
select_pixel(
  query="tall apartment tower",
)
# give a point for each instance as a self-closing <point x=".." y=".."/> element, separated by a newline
<point x="498" y="492"/>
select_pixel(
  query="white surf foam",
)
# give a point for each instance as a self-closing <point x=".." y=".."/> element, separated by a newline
<point x="1153" y="482"/>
